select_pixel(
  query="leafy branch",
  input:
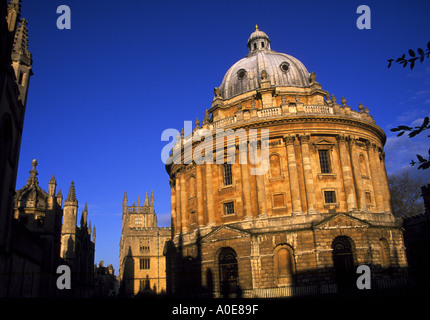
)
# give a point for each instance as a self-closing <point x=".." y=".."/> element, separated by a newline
<point x="413" y="57"/>
<point x="424" y="163"/>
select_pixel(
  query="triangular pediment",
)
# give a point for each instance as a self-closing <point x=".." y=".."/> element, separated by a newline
<point x="225" y="233"/>
<point x="341" y="220"/>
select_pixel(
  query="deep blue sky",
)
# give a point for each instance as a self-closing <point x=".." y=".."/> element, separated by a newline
<point x="103" y="92"/>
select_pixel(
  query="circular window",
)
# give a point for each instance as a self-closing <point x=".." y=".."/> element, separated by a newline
<point x="241" y="74"/>
<point x="285" y="66"/>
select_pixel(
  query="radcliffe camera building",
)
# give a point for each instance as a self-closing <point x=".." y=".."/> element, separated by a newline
<point x="321" y="209"/>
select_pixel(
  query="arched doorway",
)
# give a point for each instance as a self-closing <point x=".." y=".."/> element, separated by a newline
<point x="228" y="272"/>
<point x="343" y="262"/>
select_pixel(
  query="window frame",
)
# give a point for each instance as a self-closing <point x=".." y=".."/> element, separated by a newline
<point x="227" y="177"/>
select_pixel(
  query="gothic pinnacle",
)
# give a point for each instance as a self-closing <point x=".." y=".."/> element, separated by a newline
<point x="72" y="194"/>
<point x="146" y="200"/>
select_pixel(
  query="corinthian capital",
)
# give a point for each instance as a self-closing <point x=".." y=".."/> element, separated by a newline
<point x="304" y="138"/>
<point x="289" y="139"/>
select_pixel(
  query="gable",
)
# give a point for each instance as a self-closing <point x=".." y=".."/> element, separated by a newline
<point x="224" y="233"/>
<point x="341" y="220"/>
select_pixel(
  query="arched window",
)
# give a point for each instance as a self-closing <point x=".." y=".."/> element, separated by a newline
<point x="343" y="262"/>
<point x="284" y="265"/>
<point x="228" y="271"/>
<point x="275" y="165"/>
<point x="384" y="252"/>
<point x="191" y="187"/>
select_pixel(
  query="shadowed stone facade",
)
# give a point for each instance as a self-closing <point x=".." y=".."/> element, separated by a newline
<point x="142" y="267"/>
<point x="321" y="209"/>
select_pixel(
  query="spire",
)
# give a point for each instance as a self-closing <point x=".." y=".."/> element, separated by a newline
<point x="94" y="234"/>
<point x="256" y="27"/>
<point x="71" y="197"/>
<point x="85" y="215"/>
<point x="89" y="227"/>
<point x="20" y="44"/>
<point x="146" y="200"/>
<point x="138" y="200"/>
<point x="13" y="13"/>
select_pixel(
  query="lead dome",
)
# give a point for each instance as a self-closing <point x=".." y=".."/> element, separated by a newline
<point x="281" y="69"/>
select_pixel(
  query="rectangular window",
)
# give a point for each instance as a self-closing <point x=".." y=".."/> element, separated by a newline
<point x="144" y="245"/>
<point x="229" y="208"/>
<point x="324" y="161"/>
<point x="278" y="200"/>
<point x="329" y="197"/>
<point x="227" y="174"/>
<point x="368" y="199"/>
<point x="144" y="264"/>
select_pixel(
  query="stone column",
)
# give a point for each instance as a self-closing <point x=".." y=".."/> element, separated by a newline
<point x="173" y="206"/>
<point x="358" y="179"/>
<point x="307" y="170"/>
<point x="209" y="194"/>
<point x="184" y="216"/>
<point x="259" y="179"/>
<point x="376" y="179"/>
<point x="346" y="173"/>
<point x="294" y="177"/>
<point x="244" y="173"/>
<point x="384" y="179"/>
<point x="199" y="194"/>
<point x="178" y="221"/>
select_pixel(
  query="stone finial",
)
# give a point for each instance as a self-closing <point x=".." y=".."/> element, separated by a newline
<point x="197" y="123"/>
<point x="343" y="101"/>
<point x="217" y="92"/>
<point x="360" y="106"/>
<point x="182" y="132"/>
<point x="146" y="203"/>
<point x="206" y="118"/>
<point x="33" y="173"/>
<point x="284" y="99"/>
<point x="333" y="98"/>
<point x="366" y="110"/>
<point x="34" y="164"/>
<point x="264" y="75"/>
<point x="312" y="77"/>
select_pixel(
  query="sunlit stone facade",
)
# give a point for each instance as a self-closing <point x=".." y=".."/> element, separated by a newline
<point x="321" y="209"/>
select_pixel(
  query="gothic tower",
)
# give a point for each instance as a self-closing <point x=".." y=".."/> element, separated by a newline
<point x="68" y="233"/>
<point x="142" y="264"/>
